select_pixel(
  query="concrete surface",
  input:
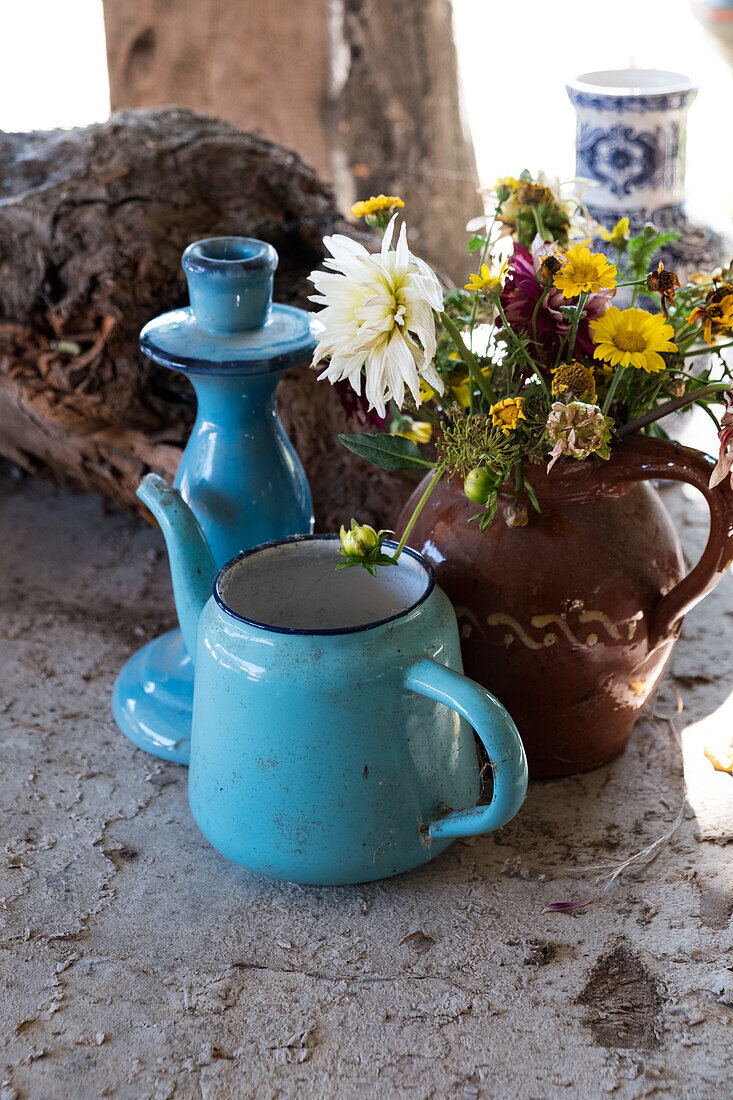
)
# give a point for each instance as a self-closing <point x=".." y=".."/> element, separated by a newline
<point x="136" y="963"/>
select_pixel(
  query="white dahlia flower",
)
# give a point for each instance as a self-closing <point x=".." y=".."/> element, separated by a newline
<point x="380" y="315"/>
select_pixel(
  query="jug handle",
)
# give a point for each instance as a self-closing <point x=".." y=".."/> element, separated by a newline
<point x="641" y="458"/>
<point x="499" y="737"/>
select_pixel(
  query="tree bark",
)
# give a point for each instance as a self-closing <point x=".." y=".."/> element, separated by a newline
<point x="366" y="90"/>
<point x="398" y="114"/>
<point x="92" y="226"/>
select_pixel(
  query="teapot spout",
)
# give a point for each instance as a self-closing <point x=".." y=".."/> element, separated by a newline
<point x="192" y="564"/>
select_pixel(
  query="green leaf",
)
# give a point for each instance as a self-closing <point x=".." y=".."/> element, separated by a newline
<point x="475" y="243"/>
<point x="643" y="248"/>
<point x="391" y="452"/>
<point x="532" y="495"/>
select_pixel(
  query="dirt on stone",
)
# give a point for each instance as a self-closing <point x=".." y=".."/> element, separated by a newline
<point x="624" y="1002"/>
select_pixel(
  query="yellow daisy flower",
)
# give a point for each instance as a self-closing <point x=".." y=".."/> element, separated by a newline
<point x="632" y="338"/>
<point x="506" y="414"/>
<point x="419" y="431"/>
<point x="377" y="204"/>
<point x="483" y="281"/>
<point x="619" y="234"/>
<point x="584" y="272"/>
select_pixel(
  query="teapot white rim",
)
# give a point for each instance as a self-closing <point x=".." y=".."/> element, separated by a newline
<point x="321" y="631"/>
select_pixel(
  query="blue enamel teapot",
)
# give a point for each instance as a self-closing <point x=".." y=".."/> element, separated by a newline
<point x="331" y="738"/>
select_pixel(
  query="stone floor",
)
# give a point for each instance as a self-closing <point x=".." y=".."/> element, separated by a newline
<point x="135" y="962"/>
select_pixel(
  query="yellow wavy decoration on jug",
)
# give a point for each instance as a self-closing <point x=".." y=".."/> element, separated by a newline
<point x="550" y="637"/>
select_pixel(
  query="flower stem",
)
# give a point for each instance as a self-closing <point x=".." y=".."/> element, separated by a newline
<point x="439" y="471"/>
<point x="670" y="407"/>
<point x="576" y="321"/>
<point x="468" y="357"/>
<point x="572" y="332"/>
<point x="534" y="367"/>
<point x="709" y="349"/>
<point x="685" y="340"/>
<point x="474" y="308"/>
<point x="612" y="390"/>
<point x="540" y="300"/>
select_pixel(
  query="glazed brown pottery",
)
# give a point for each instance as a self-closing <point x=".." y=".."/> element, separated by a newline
<point x="570" y="620"/>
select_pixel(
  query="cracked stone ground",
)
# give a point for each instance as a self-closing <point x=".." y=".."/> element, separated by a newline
<point x="135" y="962"/>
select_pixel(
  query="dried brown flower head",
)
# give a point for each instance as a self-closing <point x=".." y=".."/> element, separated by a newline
<point x="664" y="283"/>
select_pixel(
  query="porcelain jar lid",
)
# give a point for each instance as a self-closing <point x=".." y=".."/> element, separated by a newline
<point x="232" y="325"/>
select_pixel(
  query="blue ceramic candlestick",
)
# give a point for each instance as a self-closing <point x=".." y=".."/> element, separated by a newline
<point x="239" y="472"/>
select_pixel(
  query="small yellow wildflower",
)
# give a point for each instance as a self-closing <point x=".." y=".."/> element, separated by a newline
<point x="619" y="235"/>
<point x="377" y="204"/>
<point x="461" y="390"/>
<point x="715" y="312"/>
<point x="419" y="431"/>
<point x="577" y="379"/>
<point x="484" y="281"/>
<point x="530" y="193"/>
<point x="506" y="414"/>
<point x="507" y="181"/>
<point x="427" y="393"/>
<point x="584" y="272"/>
<point x="632" y="338"/>
<point x="720" y="293"/>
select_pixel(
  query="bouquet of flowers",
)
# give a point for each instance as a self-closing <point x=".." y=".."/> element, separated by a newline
<point x="532" y="362"/>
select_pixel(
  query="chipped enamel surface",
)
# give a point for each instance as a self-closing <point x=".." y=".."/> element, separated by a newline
<point x="331" y="739"/>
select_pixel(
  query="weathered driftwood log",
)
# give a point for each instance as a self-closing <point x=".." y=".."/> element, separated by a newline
<point x="92" y="225"/>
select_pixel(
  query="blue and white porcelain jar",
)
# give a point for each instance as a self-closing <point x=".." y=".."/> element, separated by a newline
<point x="631" y="138"/>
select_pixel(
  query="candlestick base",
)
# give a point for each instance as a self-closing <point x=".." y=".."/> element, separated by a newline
<point x="153" y="698"/>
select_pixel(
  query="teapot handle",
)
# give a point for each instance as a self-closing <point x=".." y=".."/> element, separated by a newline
<point x="642" y="458"/>
<point x="500" y="739"/>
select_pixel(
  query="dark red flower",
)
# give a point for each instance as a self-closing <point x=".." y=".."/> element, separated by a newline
<point x="356" y="406"/>
<point x="523" y="289"/>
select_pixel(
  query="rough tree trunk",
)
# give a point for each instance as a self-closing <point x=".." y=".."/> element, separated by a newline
<point x="92" y="226"/>
<point x="366" y="90"/>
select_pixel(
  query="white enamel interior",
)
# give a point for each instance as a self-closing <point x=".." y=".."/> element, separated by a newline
<point x="295" y="585"/>
<point x="633" y="82"/>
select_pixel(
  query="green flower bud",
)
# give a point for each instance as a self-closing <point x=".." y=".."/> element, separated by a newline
<point x="359" y="541"/>
<point x="478" y="484"/>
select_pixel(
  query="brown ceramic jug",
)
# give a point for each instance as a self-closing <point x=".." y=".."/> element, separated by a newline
<point x="570" y="620"/>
